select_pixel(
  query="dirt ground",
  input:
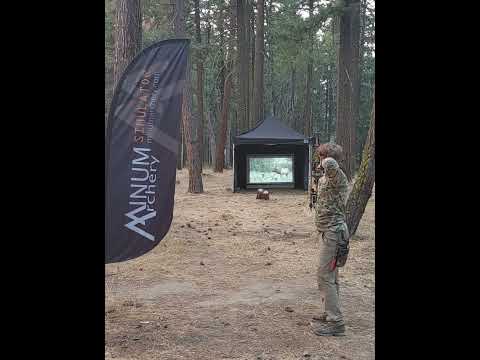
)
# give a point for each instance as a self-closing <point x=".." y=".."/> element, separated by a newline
<point x="235" y="278"/>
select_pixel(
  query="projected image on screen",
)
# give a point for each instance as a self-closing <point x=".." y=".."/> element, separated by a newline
<point x="270" y="170"/>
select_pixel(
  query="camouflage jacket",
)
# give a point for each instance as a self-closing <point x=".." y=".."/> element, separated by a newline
<point x="331" y="198"/>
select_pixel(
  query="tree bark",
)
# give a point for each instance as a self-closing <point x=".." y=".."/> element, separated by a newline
<point x="225" y="109"/>
<point x="333" y="82"/>
<point x="251" y="59"/>
<point x="243" y="73"/>
<point x="345" y="91"/>
<point x="222" y="133"/>
<point x="228" y="144"/>
<point x="331" y="104"/>
<point x="326" y="125"/>
<point x="200" y="82"/>
<point x="307" y="112"/>
<point x="362" y="188"/>
<point x="291" y="103"/>
<point x="180" y="149"/>
<point x="220" y="27"/>
<point x="363" y="8"/>
<point x="269" y="10"/>
<point x="258" y="90"/>
<point x="355" y="79"/>
<point x="190" y="123"/>
<point x="212" y="137"/>
<point x="127" y="35"/>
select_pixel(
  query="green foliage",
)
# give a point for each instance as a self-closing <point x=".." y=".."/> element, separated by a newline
<point x="288" y="47"/>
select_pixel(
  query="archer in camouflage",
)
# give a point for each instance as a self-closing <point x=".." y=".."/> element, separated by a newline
<point x="334" y="238"/>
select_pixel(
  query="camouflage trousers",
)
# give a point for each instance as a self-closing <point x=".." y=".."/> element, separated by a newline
<point x="327" y="279"/>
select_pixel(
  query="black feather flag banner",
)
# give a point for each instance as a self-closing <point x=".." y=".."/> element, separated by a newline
<point x="141" y="150"/>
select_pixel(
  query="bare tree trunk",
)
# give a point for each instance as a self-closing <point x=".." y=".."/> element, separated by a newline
<point x="228" y="144"/>
<point x="184" y="147"/>
<point x="181" y="145"/>
<point x="180" y="149"/>
<point x="220" y="27"/>
<point x="334" y="82"/>
<point x="355" y="79"/>
<point x="190" y="123"/>
<point x="251" y="68"/>
<point x="344" y="91"/>
<point x="291" y="105"/>
<point x="232" y="124"/>
<point x="242" y="65"/>
<point x="212" y="139"/>
<point x="200" y="81"/>
<point x="270" y="61"/>
<point x="127" y="35"/>
<point x="307" y="112"/>
<point x="258" y="90"/>
<point x="326" y="125"/>
<point x="224" y="124"/>
<point x="362" y="188"/>
<point x="222" y="133"/>
<point x="363" y="15"/>
<point x="331" y="104"/>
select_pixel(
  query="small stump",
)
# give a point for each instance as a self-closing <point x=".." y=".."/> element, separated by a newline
<point x="266" y="195"/>
<point x="263" y="194"/>
<point x="259" y="193"/>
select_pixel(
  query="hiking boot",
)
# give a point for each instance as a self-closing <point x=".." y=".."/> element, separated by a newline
<point x="330" y="329"/>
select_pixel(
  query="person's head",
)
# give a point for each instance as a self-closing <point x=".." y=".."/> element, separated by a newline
<point x="330" y="150"/>
<point x="331" y="166"/>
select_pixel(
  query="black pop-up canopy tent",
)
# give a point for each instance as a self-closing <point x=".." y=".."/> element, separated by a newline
<point x="271" y="138"/>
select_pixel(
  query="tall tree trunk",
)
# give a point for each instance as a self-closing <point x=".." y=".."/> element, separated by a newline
<point x="355" y="79"/>
<point x="258" y="89"/>
<point x="184" y="146"/>
<point x="307" y="112"/>
<point x="222" y="133"/>
<point x="200" y="81"/>
<point x="270" y="62"/>
<point x="220" y="27"/>
<point x="291" y="105"/>
<point x="251" y="67"/>
<point x="230" y="26"/>
<point x="333" y="82"/>
<point x="242" y="65"/>
<point x="224" y="129"/>
<point x="180" y="149"/>
<point x="344" y="91"/>
<point x="331" y="105"/>
<point x="190" y="123"/>
<point x="181" y="157"/>
<point x="326" y="127"/>
<point x="212" y="137"/>
<point x="363" y="16"/>
<point x="228" y="144"/>
<point x="127" y="35"/>
<point x="362" y="188"/>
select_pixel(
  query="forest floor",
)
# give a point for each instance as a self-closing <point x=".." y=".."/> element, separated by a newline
<point x="235" y="278"/>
